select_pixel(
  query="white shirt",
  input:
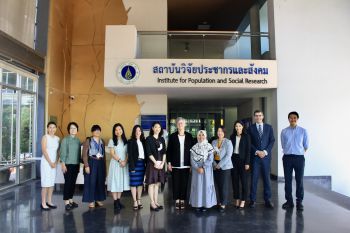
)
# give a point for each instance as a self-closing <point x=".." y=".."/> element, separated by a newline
<point x="236" y="150"/>
<point x="141" y="151"/>
<point x="182" y="151"/>
<point x="262" y="131"/>
<point x="262" y="127"/>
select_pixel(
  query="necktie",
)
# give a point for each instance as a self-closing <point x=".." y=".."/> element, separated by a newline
<point x="260" y="131"/>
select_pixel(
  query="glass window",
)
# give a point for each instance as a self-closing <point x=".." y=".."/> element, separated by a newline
<point x="9" y="116"/>
<point x="7" y="177"/>
<point x="26" y="126"/>
<point x="9" y="77"/>
<point x="27" y="84"/>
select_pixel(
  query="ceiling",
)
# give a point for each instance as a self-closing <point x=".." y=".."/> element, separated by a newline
<point x="217" y="15"/>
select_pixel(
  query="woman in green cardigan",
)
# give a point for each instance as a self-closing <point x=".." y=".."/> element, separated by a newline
<point x="70" y="154"/>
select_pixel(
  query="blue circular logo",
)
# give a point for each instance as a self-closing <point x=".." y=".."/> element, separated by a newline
<point x="128" y="72"/>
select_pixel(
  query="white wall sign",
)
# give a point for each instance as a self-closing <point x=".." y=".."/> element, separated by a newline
<point x="132" y="74"/>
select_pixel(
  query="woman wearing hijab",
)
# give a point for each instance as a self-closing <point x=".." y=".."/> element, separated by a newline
<point x="202" y="189"/>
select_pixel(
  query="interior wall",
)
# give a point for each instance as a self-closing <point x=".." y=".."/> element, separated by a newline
<point x="93" y="104"/>
<point x="17" y="19"/>
<point x="58" y="69"/>
<point x="313" y="80"/>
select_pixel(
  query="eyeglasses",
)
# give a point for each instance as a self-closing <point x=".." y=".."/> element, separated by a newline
<point x="72" y="128"/>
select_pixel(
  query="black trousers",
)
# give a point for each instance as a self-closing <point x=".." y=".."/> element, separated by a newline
<point x="296" y="163"/>
<point x="239" y="179"/>
<point x="180" y="179"/>
<point x="70" y="178"/>
<point x="222" y="180"/>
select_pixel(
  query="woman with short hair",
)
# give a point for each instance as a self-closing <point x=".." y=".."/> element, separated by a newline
<point x="222" y="166"/>
<point x="70" y="154"/>
<point x="94" y="168"/>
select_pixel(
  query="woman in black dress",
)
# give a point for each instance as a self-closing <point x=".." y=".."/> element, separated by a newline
<point x="155" y="174"/>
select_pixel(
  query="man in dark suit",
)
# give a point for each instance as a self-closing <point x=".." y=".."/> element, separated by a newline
<point x="262" y="141"/>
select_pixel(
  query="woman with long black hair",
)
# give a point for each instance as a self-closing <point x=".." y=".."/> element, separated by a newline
<point x="136" y="159"/>
<point x="118" y="176"/>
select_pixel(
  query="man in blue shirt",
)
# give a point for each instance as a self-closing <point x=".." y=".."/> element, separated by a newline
<point x="295" y="142"/>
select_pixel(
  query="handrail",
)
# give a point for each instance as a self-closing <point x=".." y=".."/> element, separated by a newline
<point x="204" y="33"/>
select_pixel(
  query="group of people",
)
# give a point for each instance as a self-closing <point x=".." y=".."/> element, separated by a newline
<point x="141" y="160"/>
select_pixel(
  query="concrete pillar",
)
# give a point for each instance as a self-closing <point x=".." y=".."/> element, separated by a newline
<point x="255" y="30"/>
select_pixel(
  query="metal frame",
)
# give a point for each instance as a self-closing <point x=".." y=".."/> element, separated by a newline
<point x="18" y="88"/>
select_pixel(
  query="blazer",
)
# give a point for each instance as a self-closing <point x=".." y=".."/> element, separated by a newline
<point x="133" y="153"/>
<point x="244" y="147"/>
<point x="173" y="150"/>
<point x="152" y="150"/>
<point x="226" y="151"/>
<point x="265" y="142"/>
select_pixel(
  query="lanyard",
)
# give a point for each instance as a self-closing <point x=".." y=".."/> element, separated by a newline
<point x="97" y="145"/>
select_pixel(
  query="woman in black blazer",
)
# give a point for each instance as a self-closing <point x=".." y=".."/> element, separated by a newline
<point x="137" y="165"/>
<point x="179" y="161"/>
<point x="241" y="163"/>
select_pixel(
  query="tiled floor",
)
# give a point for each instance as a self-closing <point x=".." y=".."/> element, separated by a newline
<point x="20" y="212"/>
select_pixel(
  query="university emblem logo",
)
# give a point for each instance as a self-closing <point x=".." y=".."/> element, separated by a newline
<point x="128" y="72"/>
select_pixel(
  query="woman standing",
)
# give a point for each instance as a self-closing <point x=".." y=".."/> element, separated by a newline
<point x="70" y="154"/>
<point x="118" y="177"/>
<point x="155" y="174"/>
<point x="241" y="160"/>
<point x="222" y="166"/>
<point x="94" y="168"/>
<point x="49" y="147"/>
<point x="178" y="158"/>
<point x="202" y="187"/>
<point x="136" y="158"/>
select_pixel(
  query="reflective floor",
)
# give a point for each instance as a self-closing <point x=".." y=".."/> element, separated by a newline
<point x="20" y="212"/>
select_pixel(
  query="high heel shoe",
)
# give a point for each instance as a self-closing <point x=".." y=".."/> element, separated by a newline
<point x="135" y="207"/>
<point x="153" y="209"/>
<point x="51" y="206"/>
<point x="43" y="208"/>
<point x="139" y="204"/>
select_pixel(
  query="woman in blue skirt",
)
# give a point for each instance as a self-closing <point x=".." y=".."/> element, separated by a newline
<point x="94" y="168"/>
<point x="136" y="155"/>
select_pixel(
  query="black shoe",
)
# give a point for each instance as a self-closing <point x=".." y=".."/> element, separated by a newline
<point x="287" y="205"/>
<point x="160" y="207"/>
<point x="117" y="204"/>
<point x="203" y="209"/>
<point x="43" y="208"/>
<point x="121" y="205"/>
<point x="153" y="209"/>
<point x="300" y="206"/>
<point x="252" y="204"/>
<point x="74" y="205"/>
<point x="182" y="205"/>
<point x="51" y="206"/>
<point x="269" y="205"/>
<point x="68" y="207"/>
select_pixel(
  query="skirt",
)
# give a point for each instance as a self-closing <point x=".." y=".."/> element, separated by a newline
<point x="154" y="175"/>
<point x="137" y="177"/>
